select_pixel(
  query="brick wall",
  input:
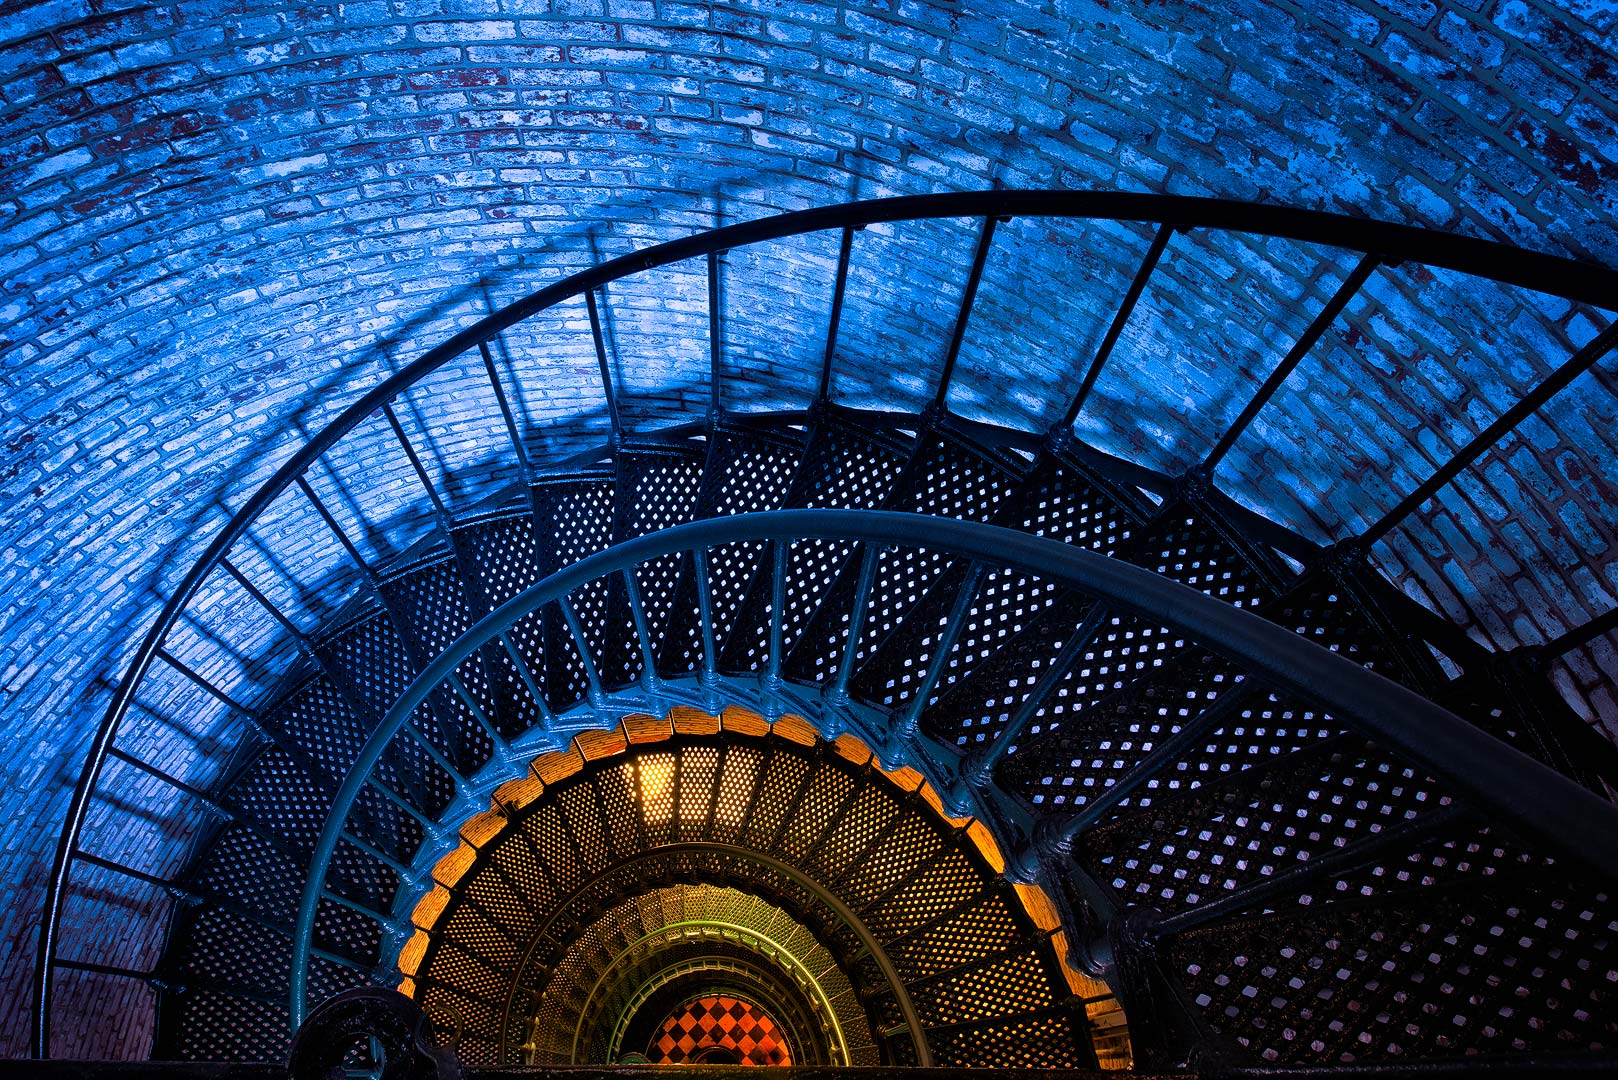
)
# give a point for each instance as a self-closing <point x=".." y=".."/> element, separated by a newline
<point x="220" y="222"/>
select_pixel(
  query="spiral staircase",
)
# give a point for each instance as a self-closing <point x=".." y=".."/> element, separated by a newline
<point x="951" y="744"/>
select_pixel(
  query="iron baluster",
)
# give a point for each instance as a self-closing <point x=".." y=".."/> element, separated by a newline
<point x="844" y="250"/>
<point x="710" y="671"/>
<point x="637" y="612"/>
<point x="1346" y="859"/>
<point x="1119" y="320"/>
<point x="104" y="969"/>
<point x="546" y="718"/>
<point x="1576" y="365"/>
<point x="166" y="884"/>
<point x="592" y="679"/>
<point x="903" y="731"/>
<point x="601" y="362"/>
<point x="339" y="681"/>
<point x="778" y="599"/>
<point x="716" y="405"/>
<point x="358" y="908"/>
<point x="458" y="684"/>
<point x="440" y="514"/>
<point x="1059" y="835"/>
<point x="978" y="770"/>
<point x="1600" y="626"/>
<point x="463" y="786"/>
<point x="370" y="849"/>
<point x="209" y="802"/>
<point x="234" y="706"/>
<point x="968" y="296"/>
<point x="525" y="471"/>
<point x="837" y="694"/>
<point x="1300" y="349"/>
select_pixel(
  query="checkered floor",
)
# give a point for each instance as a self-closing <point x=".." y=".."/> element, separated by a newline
<point x="724" y="1022"/>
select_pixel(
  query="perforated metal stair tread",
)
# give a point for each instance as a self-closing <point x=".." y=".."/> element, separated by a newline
<point x="1218" y="817"/>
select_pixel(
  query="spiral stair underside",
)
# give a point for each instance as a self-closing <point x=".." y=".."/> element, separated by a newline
<point x="1263" y="787"/>
<point x="1292" y="879"/>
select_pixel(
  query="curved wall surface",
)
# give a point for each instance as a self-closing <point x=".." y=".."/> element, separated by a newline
<point x="221" y="221"/>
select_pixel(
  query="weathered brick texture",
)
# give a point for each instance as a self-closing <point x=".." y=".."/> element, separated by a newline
<point x="221" y="222"/>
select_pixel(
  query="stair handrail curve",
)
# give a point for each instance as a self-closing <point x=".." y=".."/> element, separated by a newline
<point x="1390" y="242"/>
<point x="1483" y="772"/>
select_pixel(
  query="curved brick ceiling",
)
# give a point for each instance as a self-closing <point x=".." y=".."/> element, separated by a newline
<point x="224" y="220"/>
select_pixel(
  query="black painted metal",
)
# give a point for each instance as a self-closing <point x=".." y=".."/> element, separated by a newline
<point x="1489" y="437"/>
<point x="1137" y="286"/>
<point x="1295" y="355"/>
<point x="1545" y="274"/>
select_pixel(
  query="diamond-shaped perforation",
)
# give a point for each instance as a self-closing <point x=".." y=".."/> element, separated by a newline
<point x="344" y="932"/>
<point x="699" y="768"/>
<point x="566" y="683"/>
<point x="842" y="469"/>
<point x="276" y="792"/>
<point x="1061" y="500"/>
<point x="1191" y="847"/>
<point x="555" y="847"/>
<point x="731" y="568"/>
<point x="244" y="868"/>
<point x="503" y="552"/>
<point x="748" y="472"/>
<point x="519" y="862"/>
<point x="1181" y="544"/>
<point x="738" y="783"/>
<point x="784" y="773"/>
<point x="947" y="881"/>
<point x="867" y="816"/>
<point x="409" y="770"/>
<point x="944" y="478"/>
<point x="657" y="490"/>
<point x="818" y="809"/>
<point x="1269" y="729"/>
<point x="373" y="660"/>
<point x="478" y="1012"/>
<point x="1458" y="852"/>
<point x="1015" y="982"/>
<point x="907" y="847"/>
<point x="979" y="703"/>
<point x="327" y="979"/>
<point x="1070" y="756"/>
<point x="590" y="846"/>
<point x="470" y="928"/>
<point x="1038" y="1040"/>
<point x="433" y="602"/>
<point x="1519" y="963"/>
<point x="229" y="951"/>
<point x="361" y="877"/>
<point x="212" y="1026"/>
<point x="507" y="911"/>
<point x="576" y="518"/>
<point x="982" y="928"/>
<point x="1007" y="601"/>
<point x="319" y="720"/>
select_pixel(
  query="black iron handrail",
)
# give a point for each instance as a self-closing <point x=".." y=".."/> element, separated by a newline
<point x="1485" y="773"/>
<point x="1388" y="242"/>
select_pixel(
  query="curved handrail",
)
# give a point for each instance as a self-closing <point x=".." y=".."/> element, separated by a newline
<point x="1568" y="278"/>
<point x="1481" y="770"/>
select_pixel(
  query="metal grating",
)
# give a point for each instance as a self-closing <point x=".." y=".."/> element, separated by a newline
<point x="213" y="1026"/>
<point x="843" y="469"/>
<point x="1478" y="965"/>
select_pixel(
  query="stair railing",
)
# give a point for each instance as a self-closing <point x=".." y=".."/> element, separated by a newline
<point x="1489" y="779"/>
<point x="1385" y="242"/>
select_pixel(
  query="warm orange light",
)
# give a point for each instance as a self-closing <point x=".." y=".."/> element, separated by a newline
<point x="655" y="773"/>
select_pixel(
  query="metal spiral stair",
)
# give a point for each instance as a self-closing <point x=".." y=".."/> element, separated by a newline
<point x="1260" y="880"/>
